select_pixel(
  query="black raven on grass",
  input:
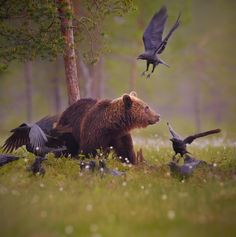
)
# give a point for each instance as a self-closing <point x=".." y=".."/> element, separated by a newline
<point x="187" y="169"/>
<point x="7" y="158"/>
<point x="154" y="44"/>
<point x="36" y="167"/>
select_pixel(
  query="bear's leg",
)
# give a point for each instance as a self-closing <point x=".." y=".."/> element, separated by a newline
<point x="123" y="147"/>
<point x="71" y="144"/>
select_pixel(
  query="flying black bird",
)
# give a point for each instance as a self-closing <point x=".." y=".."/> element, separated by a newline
<point x="152" y="38"/>
<point x="35" y="137"/>
<point x="180" y="145"/>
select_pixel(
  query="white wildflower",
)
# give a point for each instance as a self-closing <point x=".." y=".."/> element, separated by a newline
<point x="171" y="214"/>
<point x="69" y="229"/>
<point x="89" y="207"/>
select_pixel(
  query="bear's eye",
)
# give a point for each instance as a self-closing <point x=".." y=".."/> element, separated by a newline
<point x="146" y="109"/>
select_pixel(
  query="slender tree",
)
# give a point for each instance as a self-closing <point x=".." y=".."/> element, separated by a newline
<point x="65" y="13"/>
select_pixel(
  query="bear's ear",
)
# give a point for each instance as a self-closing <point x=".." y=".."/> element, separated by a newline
<point x="127" y="101"/>
<point x="133" y="93"/>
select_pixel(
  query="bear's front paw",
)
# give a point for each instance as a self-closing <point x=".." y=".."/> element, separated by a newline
<point x="139" y="157"/>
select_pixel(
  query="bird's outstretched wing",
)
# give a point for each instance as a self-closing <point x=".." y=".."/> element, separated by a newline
<point x="37" y="137"/>
<point x="190" y="139"/>
<point x="47" y="123"/>
<point x="163" y="44"/>
<point x="173" y="133"/>
<point x="19" y="138"/>
<point x="152" y="36"/>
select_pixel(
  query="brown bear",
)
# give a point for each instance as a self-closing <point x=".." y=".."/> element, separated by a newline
<point x="105" y="123"/>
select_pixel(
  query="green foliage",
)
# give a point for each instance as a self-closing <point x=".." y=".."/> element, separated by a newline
<point x="29" y="29"/>
<point x="91" y="36"/>
<point x="148" y="201"/>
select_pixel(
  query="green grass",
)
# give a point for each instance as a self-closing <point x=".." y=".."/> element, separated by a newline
<point x="148" y="201"/>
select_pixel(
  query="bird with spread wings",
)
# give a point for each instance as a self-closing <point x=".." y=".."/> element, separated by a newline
<point x="180" y="144"/>
<point x="154" y="44"/>
<point x="36" y="137"/>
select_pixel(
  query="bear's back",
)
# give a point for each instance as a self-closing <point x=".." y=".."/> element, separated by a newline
<point x="76" y="111"/>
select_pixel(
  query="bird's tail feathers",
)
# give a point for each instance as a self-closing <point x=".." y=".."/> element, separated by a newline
<point x="163" y="62"/>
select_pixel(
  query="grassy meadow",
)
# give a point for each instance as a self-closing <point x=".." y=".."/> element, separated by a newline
<point x="146" y="201"/>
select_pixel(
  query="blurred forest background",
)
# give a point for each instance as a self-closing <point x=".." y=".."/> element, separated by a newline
<point x="197" y="92"/>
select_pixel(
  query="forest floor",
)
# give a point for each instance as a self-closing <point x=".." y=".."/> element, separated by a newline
<point x="147" y="201"/>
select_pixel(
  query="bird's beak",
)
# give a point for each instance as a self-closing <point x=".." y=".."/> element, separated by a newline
<point x="139" y="57"/>
<point x="164" y="63"/>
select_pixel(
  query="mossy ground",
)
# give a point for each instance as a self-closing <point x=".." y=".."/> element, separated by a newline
<point x="147" y="201"/>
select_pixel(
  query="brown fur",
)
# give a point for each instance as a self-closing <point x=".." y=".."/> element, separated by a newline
<point x="70" y="122"/>
<point x="108" y="123"/>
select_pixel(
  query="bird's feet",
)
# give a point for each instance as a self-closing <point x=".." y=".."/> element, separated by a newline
<point x="177" y="161"/>
<point x="143" y="74"/>
<point x="148" y="76"/>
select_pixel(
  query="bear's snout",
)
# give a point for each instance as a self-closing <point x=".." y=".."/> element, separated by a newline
<point x="155" y="119"/>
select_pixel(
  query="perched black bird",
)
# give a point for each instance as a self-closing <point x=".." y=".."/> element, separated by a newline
<point x="6" y="158"/>
<point x="36" y="138"/>
<point x="36" y="167"/>
<point x="103" y="169"/>
<point x="185" y="170"/>
<point x="152" y="38"/>
<point x="180" y="145"/>
<point x="88" y="166"/>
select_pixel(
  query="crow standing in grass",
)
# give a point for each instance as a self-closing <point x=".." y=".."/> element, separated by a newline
<point x="6" y="158"/>
<point x="180" y="145"/>
<point x="36" y="167"/>
<point x="152" y="38"/>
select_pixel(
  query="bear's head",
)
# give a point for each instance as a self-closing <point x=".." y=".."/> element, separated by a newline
<point x="136" y="113"/>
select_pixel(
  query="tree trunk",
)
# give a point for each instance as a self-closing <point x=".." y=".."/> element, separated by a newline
<point x="65" y="11"/>
<point x="56" y="89"/>
<point x="29" y="89"/>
